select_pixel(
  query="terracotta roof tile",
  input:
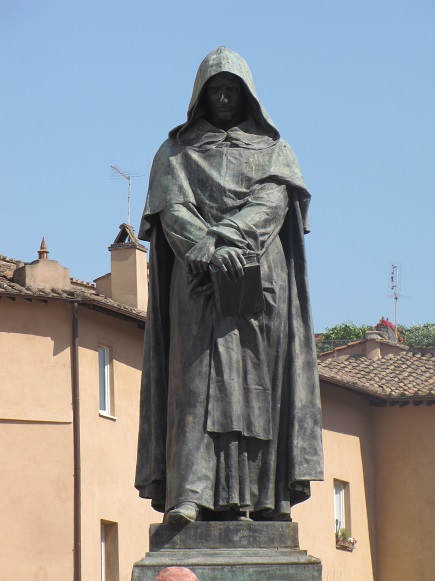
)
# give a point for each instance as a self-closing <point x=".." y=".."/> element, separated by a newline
<point x="401" y="375"/>
<point x="80" y="291"/>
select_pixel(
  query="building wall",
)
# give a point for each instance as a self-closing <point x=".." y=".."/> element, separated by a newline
<point x="36" y="454"/>
<point x="405" y="468"/>
<point x="108" y="445"/>
<point x="386" y="455"/>
<point x="348" y="449"/>
<point x="36" y="451"/>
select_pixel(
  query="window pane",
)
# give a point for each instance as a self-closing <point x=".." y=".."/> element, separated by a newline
<point x="103" y="370"/>
<point x="103" y="553"/>
<point x="339" y="513"/>
<point x="109" y="551"/>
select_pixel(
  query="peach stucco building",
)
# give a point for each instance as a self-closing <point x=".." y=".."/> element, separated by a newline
<point x="71" y="360"/>
<point x="378" y="429"/>
<point x="71" y="357"/>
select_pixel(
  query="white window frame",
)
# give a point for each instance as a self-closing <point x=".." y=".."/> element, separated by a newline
<point x="104" y="379"/>
<point x="109" y="547"/>
<point x="339" y="505"/>
<point x="103" y="552"/>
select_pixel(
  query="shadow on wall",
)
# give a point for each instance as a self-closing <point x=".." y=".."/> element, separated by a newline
<point x="40" y="318"/>
<point x="125" y="337"/>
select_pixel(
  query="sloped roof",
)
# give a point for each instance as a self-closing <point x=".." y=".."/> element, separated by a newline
<point x="342" y="349"/>
<point x="80" y="291"/>
<point x="405" y="375"/>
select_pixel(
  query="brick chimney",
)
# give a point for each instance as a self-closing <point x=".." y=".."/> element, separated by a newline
<point x="43" y="273"/>
<point x="127" y="282"/>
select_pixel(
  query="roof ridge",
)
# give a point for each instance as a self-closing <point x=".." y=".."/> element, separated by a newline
<point x="4" y="258"/>
<point x="84" y="282"/>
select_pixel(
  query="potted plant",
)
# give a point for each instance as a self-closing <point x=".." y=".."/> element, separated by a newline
<point x="344" y="541"/>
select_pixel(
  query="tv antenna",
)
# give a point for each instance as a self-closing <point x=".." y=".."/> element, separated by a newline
<point x="128" y="178"/>
<point x="395" y="284"/>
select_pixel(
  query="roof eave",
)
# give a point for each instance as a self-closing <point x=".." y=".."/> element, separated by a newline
<point x="364" y="391"/>
<point x="96" y="305"/>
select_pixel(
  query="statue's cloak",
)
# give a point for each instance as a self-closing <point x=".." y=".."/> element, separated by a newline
<point x="245" y="185"/>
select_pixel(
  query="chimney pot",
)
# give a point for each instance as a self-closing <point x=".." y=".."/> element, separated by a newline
<point x="43" y="252"/>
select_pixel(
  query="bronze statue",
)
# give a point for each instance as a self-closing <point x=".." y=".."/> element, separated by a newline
<point x="230" y="420"/>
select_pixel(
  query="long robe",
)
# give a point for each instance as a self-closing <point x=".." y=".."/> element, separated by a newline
<point x="230" y="411"/>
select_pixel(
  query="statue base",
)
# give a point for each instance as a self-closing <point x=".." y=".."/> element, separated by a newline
<point x="229" y="551"/>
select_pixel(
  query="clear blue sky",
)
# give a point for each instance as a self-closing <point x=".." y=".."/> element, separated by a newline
<point x="350" y="85"/>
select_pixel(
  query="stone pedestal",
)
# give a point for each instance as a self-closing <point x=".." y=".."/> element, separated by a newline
<point x="229" y="551"/>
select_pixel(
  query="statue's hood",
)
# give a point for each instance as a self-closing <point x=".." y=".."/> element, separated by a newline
<point x="224" y="60"/>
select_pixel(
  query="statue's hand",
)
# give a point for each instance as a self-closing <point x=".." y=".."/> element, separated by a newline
<point x="198" y="258"/>
<point x="230" y="260"/>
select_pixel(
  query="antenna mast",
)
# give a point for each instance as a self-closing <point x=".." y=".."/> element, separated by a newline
<point x="128" y="178"/>
<point x="394" y="287"/>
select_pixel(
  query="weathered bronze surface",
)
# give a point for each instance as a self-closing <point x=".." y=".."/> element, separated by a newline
<point x="230" y="412"/>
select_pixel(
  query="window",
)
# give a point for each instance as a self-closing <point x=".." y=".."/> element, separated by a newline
<point x="109" y="551"/>
<point x="106" y="403"/>
<point x="342" y="506"/>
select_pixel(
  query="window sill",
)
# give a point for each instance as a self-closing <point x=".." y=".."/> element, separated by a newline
<point x="108" y="416"/>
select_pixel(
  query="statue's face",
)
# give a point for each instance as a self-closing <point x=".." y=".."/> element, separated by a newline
<point x="225" y="96"/>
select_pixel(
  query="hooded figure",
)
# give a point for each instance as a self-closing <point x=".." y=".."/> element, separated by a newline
<point x="230" y="417"/>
